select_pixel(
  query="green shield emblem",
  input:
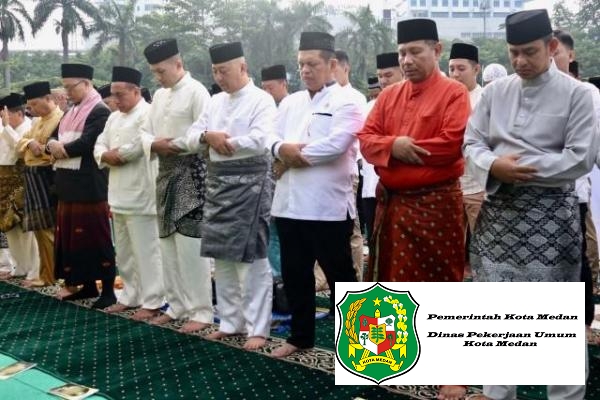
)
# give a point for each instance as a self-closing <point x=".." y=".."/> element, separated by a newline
<point x="378" y="339"/>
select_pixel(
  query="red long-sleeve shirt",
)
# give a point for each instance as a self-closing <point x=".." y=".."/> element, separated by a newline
<point x="434" y="113"/>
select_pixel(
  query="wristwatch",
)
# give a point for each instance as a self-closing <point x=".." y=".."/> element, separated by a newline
<point x="203" y="137"/>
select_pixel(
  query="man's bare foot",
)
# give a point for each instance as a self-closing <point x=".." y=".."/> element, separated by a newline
<point x="193" y="326"/>
<point x="254" y="343"/>
<point x="116" y="308"/>
<point x="144" y="314"/>
<point x="452" y="392"/>
<point x="284" y="351"/>
<point x="218" y="335"/>
<point x="161" y="319"/>
<point x="65" y="292"/>
<point x="5" y="275"/>
<point x="31" y="283"/>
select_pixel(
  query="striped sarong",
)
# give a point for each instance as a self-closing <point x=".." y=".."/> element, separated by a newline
<point x="11" y="196"/>
<point x="237" y="210"/>
<point x="40" y="199"/>
<point x="528" y="234"/>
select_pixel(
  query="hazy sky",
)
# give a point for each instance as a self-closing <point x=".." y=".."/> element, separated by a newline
<point x="47" y="39"/>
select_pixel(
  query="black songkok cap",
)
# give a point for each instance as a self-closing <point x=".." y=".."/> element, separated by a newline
<point x="526" y="26"/>
<point x="160" y="50"/>
<point x="317" y="41"/>
<point x="417" y="29"/>
<point x="37" y="89"/>
<point x="77" y="71"/>
<point x="220" y="53"/>
<point x="13" y="100"/>
<point x="574" y="68"/>
<point x="373" y="82"/>
<point x="595" y="80"/>
<point x="104" y="91"/>
<point x="147" y="95"/>
<point x="464" y="50"/>
<point x="214" y="89"/>
<point x="387" y="60"/>
<point x="273" y="72"/>
<point x="126" y="74"/>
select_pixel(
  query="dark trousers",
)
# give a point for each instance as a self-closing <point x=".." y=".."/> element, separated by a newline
<point x="586" y="272"/>
<point x="369" y="205"/>
<point x="302" y="243"/>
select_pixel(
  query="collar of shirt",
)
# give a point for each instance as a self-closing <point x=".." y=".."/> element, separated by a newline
<point x="419" y="87"/>
<point x="23" y="124"/>
<point x="51" y="114"/>
<point x="135" y="108"/>
<point x="242" y="91"/>
<point x="543" y="78"/>
<point x="182" y="82"/>
<point x="476" y="88"/>
<point x="323" y="92"/>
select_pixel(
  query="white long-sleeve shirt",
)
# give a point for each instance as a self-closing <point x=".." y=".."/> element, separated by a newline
<point x="370" y="177"/>
<point x="132" y="186"/>
<point x="327" y="124"/>
<point x="9" y="137"/>
<point x="174" y="110"/>
<point x="549" y="121"/>
<point x="248" y="116"/>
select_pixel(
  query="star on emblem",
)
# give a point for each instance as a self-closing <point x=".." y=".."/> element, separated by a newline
<point x="377" y="302"/>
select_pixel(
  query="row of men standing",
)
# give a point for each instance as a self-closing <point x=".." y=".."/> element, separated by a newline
<point x="413" y="137"/>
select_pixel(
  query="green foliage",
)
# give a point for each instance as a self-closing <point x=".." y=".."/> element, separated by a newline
<point x="268" y="30"/>
<point x="584" y="25"/>
<point x="363" y="40"/>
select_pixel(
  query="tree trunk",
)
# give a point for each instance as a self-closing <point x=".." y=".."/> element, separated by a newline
<point x="122" y="54"/>
<point x="4" y="58"/>
<point x="65" y="43"/>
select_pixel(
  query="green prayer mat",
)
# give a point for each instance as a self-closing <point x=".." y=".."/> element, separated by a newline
<point x="126" y="359"/>
<point x="133" y="360"/>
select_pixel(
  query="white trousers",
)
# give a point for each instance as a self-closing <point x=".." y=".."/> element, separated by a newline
<point x="24" y="250"/>
<point x="554" y="392"/>
<point x="188" y="287"/>
<point x="138" y="260"/>
<point x="244" y="296"/>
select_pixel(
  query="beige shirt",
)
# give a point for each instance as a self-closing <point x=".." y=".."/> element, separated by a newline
<point x="41" y="131"/>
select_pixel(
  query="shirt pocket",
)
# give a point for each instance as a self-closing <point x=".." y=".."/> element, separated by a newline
<point x="319" y="126"/>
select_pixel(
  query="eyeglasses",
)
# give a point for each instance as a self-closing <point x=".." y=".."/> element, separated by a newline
<point x="68" y="88"/>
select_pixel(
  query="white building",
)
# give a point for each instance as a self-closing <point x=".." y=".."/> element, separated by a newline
<point x="456" y="19"/>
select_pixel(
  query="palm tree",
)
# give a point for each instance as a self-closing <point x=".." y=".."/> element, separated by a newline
<point x="75" y="14"/>
<point x="118" y="24"/>
<point x="363" y="39"/>
<point x="11" y="27"/>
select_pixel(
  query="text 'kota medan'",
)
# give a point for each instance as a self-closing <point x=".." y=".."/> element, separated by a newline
<point x="506" y="317"/>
